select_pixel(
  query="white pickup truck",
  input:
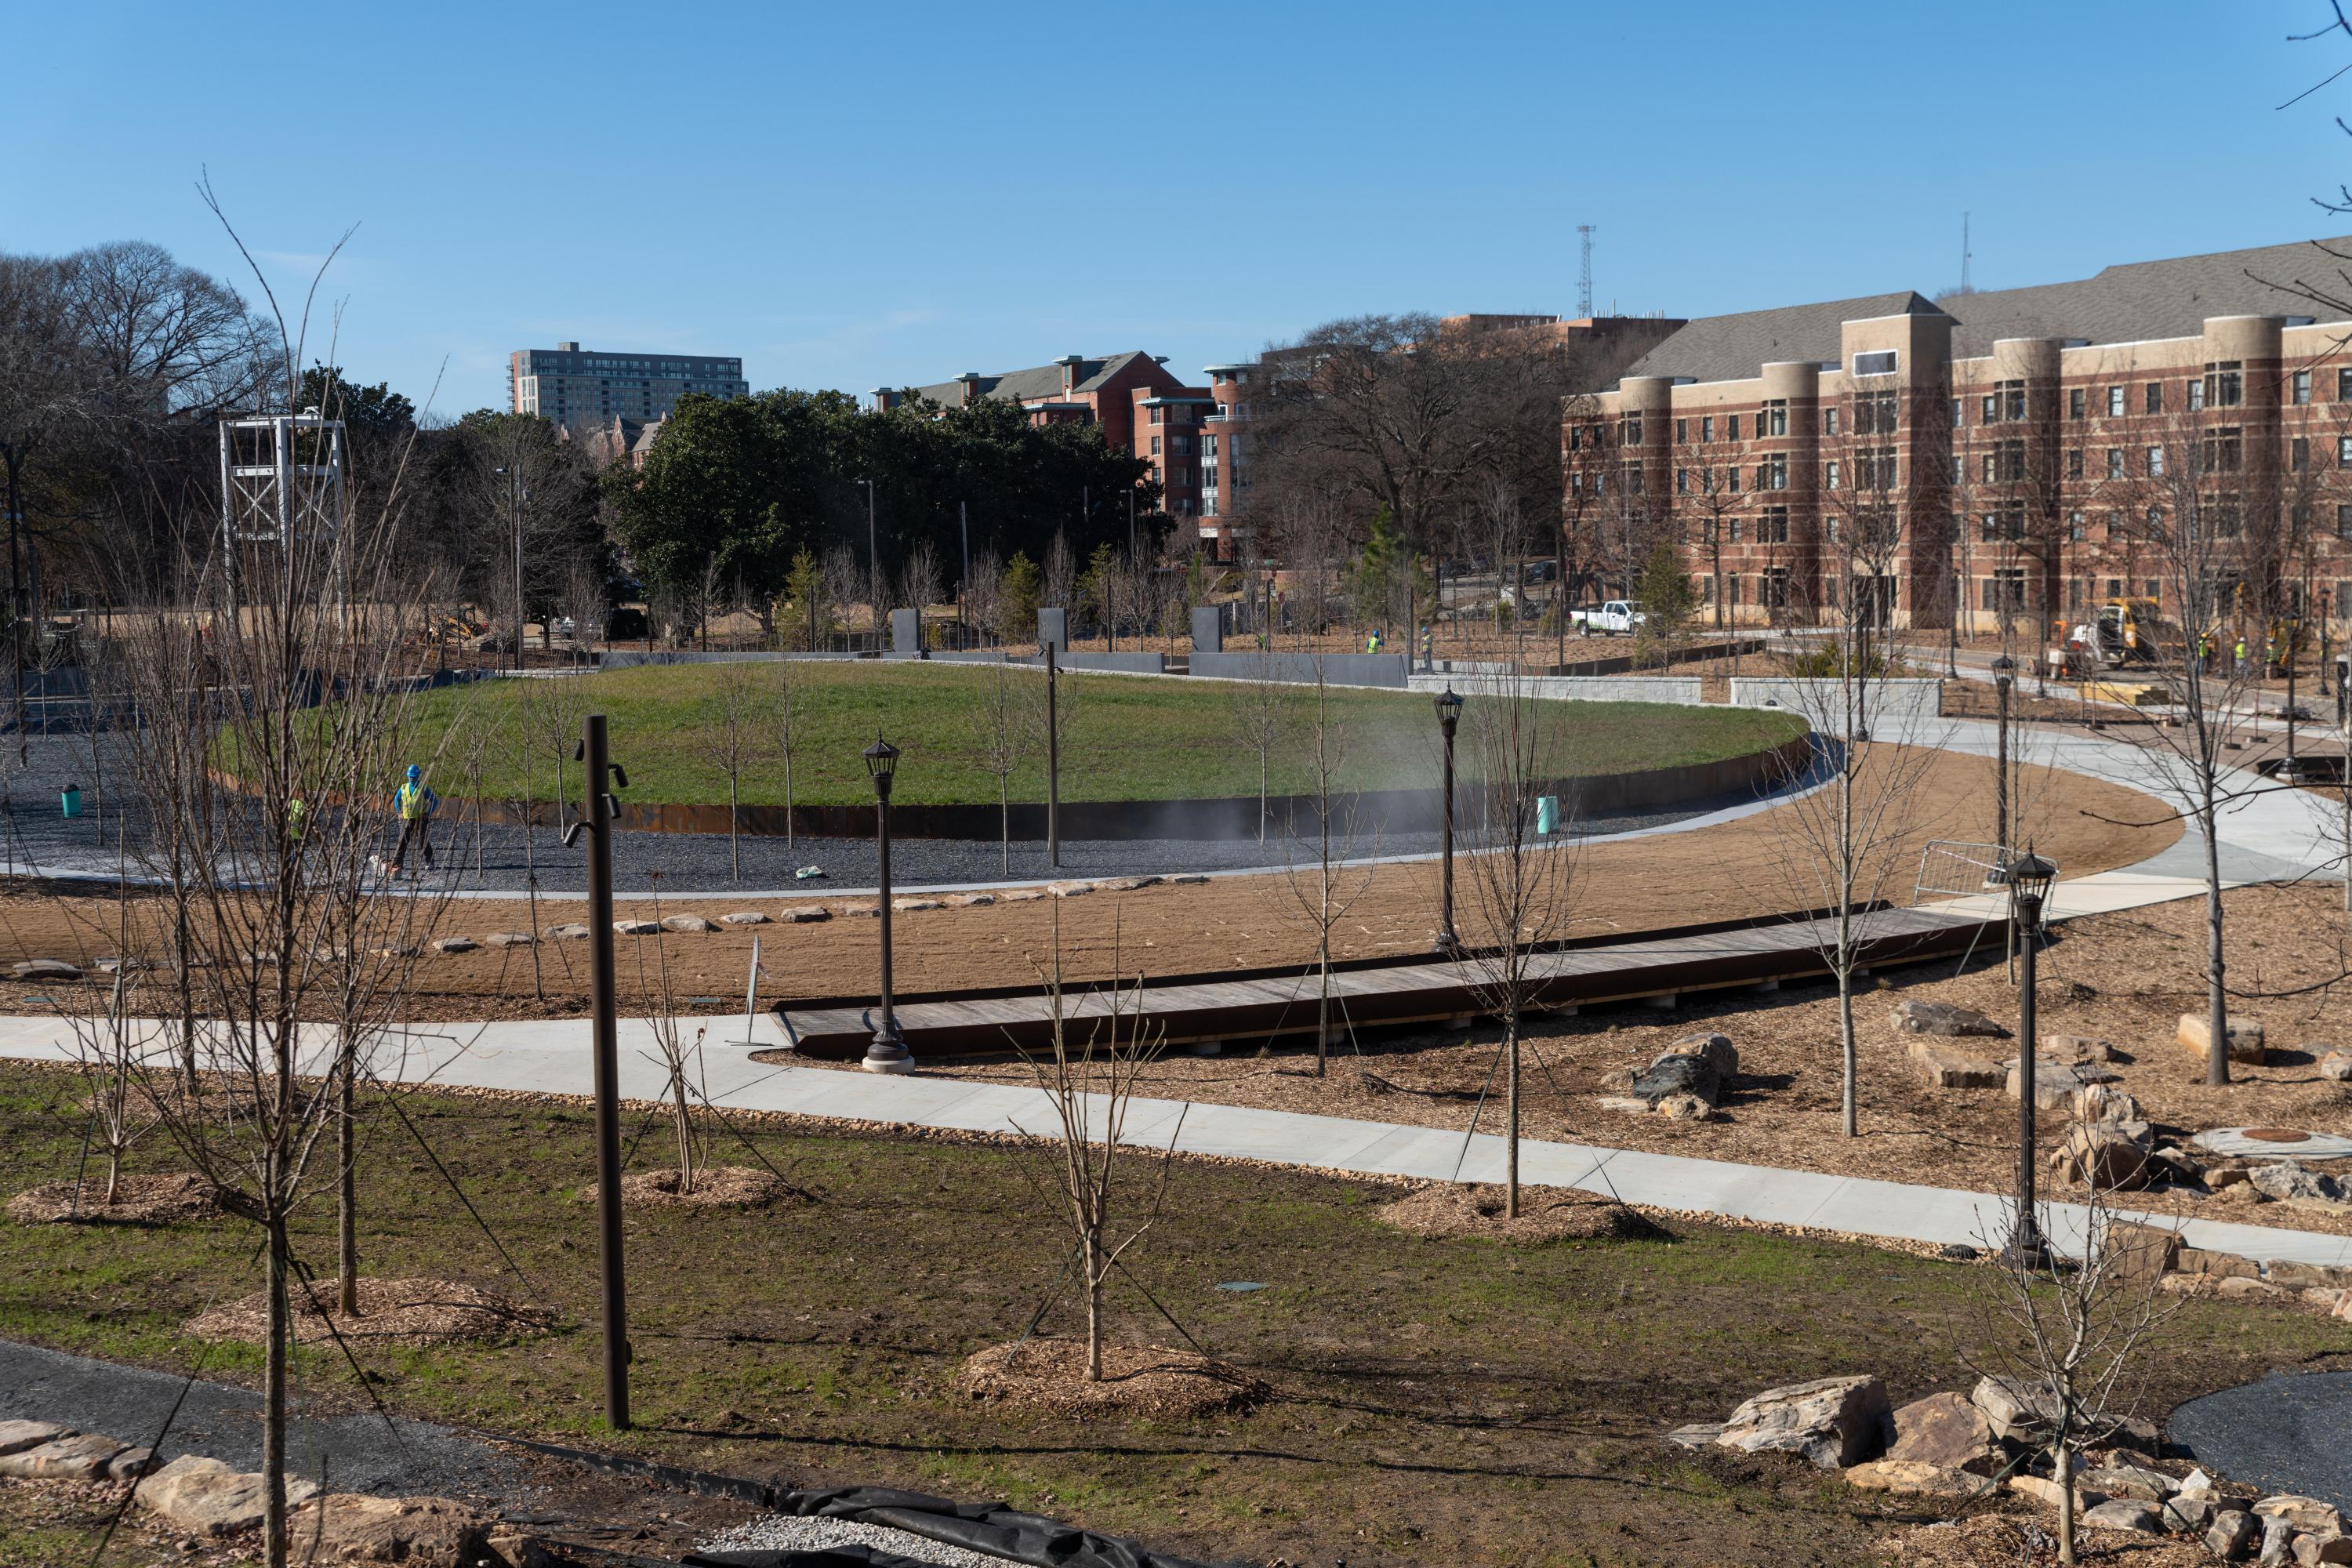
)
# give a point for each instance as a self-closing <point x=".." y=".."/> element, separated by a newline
<point x="1616" y="618"/>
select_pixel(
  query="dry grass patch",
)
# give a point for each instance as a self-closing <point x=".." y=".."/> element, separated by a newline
<point x="138" y="1200"/>
<point x="392" y="1311"/>
<point x="1138" y="1380"/>
<point x="1448" y="1211"/>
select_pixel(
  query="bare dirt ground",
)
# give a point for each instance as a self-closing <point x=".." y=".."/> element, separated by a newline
<point x="1730" y="870"/>
<point x="2123" y="978"/>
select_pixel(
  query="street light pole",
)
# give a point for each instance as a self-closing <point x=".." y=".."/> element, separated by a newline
<point x="1053" y="764"/>
<point x="597" y="820"/>
<point x="2029" y="888"/>
<point x="888" y="1051"/>
<point x="1449" y="715"/>
<point x="963" y="583"/>
<point x="2004" y="672"/>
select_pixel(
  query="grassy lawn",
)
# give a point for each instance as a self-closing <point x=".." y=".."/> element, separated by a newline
<point x="1434" y="1402"/>
<point x="1122" y="738"/>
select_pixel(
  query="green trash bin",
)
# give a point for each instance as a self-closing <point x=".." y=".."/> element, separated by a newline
<point x="1547" y="814"/>
<point x="70" y="800"/>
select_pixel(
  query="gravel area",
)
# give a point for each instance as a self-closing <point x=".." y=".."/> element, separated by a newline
<point x="788" y="1532"/>
<point x="33" y="836"/>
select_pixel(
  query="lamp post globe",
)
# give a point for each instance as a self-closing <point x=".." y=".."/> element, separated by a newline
<point x="2030" y="879"/>
<point x="1449" y="716"/>
<point x="888" y="1051"/>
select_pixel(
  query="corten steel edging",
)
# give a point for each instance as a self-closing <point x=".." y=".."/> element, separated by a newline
<point x="1368" y="811"/>
<point x="1387" y="998"/>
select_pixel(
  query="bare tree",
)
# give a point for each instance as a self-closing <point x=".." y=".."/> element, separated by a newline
<point x="984" y="592"/>
<point x="1091" y="1086"/>
<point x="1004" y="721"/>
<point x="2067" y="1337"/>
<point x="1262" y="708"/>
<point x="1061" y="572"/>
<point x="1324" y="889"/>
<point x="728" y="740"/>
<point x="843" y="580"/>
<point x="1519" y="885"/>
<point x="923" y="579"/>
<point x="680" y="1055"/>
<point x="787" y="703"/>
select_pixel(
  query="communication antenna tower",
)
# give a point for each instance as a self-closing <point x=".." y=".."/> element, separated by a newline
<point x="282" y="485"/>
<point x="1584" y="273"/>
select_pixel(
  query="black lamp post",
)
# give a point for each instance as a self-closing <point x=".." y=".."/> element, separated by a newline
<point x="1449" y="715"/>
<point x="2004" y="675"/>
<point x="2029" y="877"/>
<point x="888" y="1053"/>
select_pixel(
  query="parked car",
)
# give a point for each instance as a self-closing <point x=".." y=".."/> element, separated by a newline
<point x="1614" y="619"/>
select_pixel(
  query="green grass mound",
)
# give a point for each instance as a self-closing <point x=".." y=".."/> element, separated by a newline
<point x="1122" y="738"/>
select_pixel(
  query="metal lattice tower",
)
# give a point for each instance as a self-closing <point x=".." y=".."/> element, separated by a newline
<point x="1584" y="273"/>
<point x="281" y="484"/>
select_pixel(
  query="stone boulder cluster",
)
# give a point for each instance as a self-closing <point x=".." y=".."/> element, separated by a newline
<point x="1954" y="1447"/>
<point x="1685" y="1080"/>
<point x="204" y="1499"/>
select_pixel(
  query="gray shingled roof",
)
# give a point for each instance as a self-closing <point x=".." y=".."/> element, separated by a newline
<point x="2128" y="304"/>
<point x="1026" y="386"/>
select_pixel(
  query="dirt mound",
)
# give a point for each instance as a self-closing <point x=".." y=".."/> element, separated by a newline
<point x="1138" y="1380"/>
<point x="714" y="1188"/>
<point x="1446" y="1211"/>
<point x="138" y="1200"/>
<point x="392" y="1311"/>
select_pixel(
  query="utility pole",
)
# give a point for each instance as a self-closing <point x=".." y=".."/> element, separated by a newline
<point x="515" y="494"/>
<point x="597" y="820"/>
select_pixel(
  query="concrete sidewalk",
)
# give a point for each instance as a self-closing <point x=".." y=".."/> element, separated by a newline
<point x="552" y="1057"/>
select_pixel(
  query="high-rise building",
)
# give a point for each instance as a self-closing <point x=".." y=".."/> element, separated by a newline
<point x="575" y="386"/>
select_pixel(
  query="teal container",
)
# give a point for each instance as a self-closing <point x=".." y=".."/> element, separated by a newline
<point x="1547" y="814"/>
<point x="70" y="800"/>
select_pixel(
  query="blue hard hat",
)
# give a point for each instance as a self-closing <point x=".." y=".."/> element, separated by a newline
<point x="415" y="772"/>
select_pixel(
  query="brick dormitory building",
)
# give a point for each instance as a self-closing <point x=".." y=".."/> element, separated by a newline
<point x="2020" y="455"/>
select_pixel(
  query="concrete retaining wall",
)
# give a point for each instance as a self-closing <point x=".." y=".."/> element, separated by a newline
<point x="1339" y="668"/>
<point x="1679" y="690"/>
<point x="1891" y="709"/>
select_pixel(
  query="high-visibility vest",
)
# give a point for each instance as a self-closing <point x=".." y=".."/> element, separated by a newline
<point x="414" y="800"/>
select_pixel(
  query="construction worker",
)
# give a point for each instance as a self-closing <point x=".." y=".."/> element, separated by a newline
<point x="2239" y="653"/>
<point x="1428" y="649"/>
<point x="416" y="802"/>
<point x="1372" y="643"/>
<point x="2205" y="652"/>
<point x="297" y="819"/>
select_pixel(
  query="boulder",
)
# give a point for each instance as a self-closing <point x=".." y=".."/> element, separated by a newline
<point x="2278" y="1542"/>
<point x="15" y="1436"/>
<point x="912" y="906"/>
<point x="2124" y="1513"/>
<point x="77" y="1458"/>
<point x="2232" y="1536"/>
<point x="2079" y="1048"/>
<point x="1024" y="895"/>
<point x="1942" y="1430"/>
<point x="636" y="928"/>
<point x="2291" y="1179"/>
<point x="1834" y="1422"/>
<point x="1698" y="1435"/>
<point x="1914" y="1477"/>
<point x="205" y="1497"/>
<point x="2240" y="1289"/>
<point x="806" y="914"/>
<point x="1188" y="880"/>
<point x="2177" y="1165"/>
<point x="2197" y="1483"/>
<point x="2012" y="1408"/>
<point x="1685" y="1107"/>
<point x="2104" y="1102"/>
<point x="2051" y="1495"/>
<point x="45" y="969"/>
<point x="1696" y="1066"/>
<point x="2198" y="1261"/>
<point x="573" y="931"/>
<point x="421" y="1531"/>
<point x="857" y="912"/>
<point x="2057" y="1086"/>
<point x="2303" y="1512"/>
<point x="2313" y="1550"/>
<point x="2185" y="1514"/>
<point x="2308" y="1275"/>
<point x="744" y="917"/>
<point x="1069" y="889"/>
<point x="1919" y="1015"/>
<point x="1946" y="1069"/>
<point x="455" y="944"/>
<point x="130" y="1462"/>
<point x="2243" y="1037"/>
<point x="690" y="925"/>
<point x="1127" y="884"/>
<point x="2139" y="1255"/>
<point x="2105" y="1154"/>
<point x="2128" y="1481"/>
<point x="510" y="939"/>
<point x="2336" y="1066"/>
<point x="971" y="901"/>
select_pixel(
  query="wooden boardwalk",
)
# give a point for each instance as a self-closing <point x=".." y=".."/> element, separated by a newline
<point x="1195" y="1010"/>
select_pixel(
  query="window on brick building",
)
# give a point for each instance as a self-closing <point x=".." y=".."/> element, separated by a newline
<point x="1576" y="438"/>
<point x="2197" y="396"/>
<point x="1682" y="481"/>
<point x="1682" y="431"/>
<point x="1707" y="427"/>
<point x="2343" y="384"/>
<point x="2227" y="516"/>
<point x="2012" y="400"/>
<point x="1829" y="476"/>
<point x="2115" y="403"/>
<point x="1989" y="409"/>
<point x="2115" y="462"/>
<point x="2156" y="462"/>
<point x="1955" y="415"/>
<point x="2344" y="451"/>
<point x="1772" y="527"/>
<point x="1731" y="474"/>
<point x="2298" y="453"/>
<point x="1878" y="362"/>
<point x="1155" y="446"/>
<point x="2299" y="389"/>
<point x="2155" y="396"/>
<point x="1731" y="530"/>
<point x="2078" y="400"/>
<point x="1183" y="445"/>
<point x="1731" y="427"/>
<point x="1829" y="421"/>
<point x="2074" y="464"/>
<point x="2344" y="531"/>
<point x="2077" y="530"/>
<point x="1876" y="413"/>
<point x="1772" y="419"/>
<point x="2223" y="451"/>
<point x="1629" y="429"/>
<point x="2225" y="384"/>
<point x="1633" y="479"/>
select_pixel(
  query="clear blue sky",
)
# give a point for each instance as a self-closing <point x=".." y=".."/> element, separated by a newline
<point x="854" y="194"/>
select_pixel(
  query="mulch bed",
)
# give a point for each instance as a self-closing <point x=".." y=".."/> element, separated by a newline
<point x="1448" y="1211"/>
<point x="138" y="1200"/>
<point x="2007" y="1539"/>
<point x="392" y="1311"/>
<point x="714" y="1188"/>
<point x="1138" y="1380"/>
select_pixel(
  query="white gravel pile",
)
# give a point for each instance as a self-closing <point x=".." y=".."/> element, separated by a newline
<point x="789" y="1533"/>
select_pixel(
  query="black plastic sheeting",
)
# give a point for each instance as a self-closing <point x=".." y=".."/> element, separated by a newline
<point x="1027" y="1537"/>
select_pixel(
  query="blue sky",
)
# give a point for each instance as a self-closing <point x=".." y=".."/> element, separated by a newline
<point x="849" y="196"/>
